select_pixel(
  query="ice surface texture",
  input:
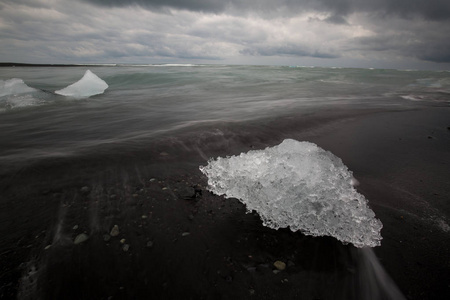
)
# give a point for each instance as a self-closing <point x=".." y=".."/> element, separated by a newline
<point x="297" y="185"/>
<point x="87" y="86"/>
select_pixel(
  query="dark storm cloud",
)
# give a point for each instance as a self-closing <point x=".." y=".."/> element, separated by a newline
<point x="426" y="47"/>
<point x="234" y="31"/>
<point x="287" y="50"/>
<point x="430" y="9"/>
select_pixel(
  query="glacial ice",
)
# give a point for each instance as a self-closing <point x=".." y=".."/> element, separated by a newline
<point x="14" y="86"/>
<point x="87" y="86"/>
<point x="297" y="185"/>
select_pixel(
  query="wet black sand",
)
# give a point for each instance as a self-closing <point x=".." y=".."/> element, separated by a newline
<point x="178" y="241"/>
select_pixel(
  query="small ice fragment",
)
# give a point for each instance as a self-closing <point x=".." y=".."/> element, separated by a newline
<point x="354" y="181"/>
<point x="297" y="185"/>
<point x="87" y="86"/>
<point x="14" y="86"/>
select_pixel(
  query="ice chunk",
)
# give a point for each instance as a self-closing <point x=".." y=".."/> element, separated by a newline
<point x="87" y="86"/>
<point x="14" y="86"/>
<point x="297" y="185"/>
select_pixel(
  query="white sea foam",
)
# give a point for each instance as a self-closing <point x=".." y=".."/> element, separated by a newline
<point x="19" y="101"/>
<point x="87" y="86"/>
<point x="413" y="97"/>
<point x="14" y="86"/>
<point x="178" y="65"/>
<point x="297" y="185"/>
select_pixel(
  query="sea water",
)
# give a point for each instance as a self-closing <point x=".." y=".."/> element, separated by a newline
<point x="144" y="102"/>
<point x="188" y="114"/>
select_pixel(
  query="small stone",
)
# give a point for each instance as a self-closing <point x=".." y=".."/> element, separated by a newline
<point x="122" y="241"/>
<point x="75" y="227"/>
<point x="81" y="238"/>
<point x="47" y="247"/>
<point x="152" y="180"/>
<point x="164" y="188"/>
<point x="113" y="196"/>
<point x="276" y="271"/>
<point x="106" y="237"/>
<point x="251" y="291"/>
<point x="279" y="265"/>
<point x="85" y="189"/>
<point x="185" y="234"/>
<point x="149" y="244"/>
<point x="126" y="247"/>
<point x="144" y="217"/>
<point x="115" y="231"/>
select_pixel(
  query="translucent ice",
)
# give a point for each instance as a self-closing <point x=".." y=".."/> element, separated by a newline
<point x="87" y="86"/>
<point x="14" y="86"/>
<point x="297" y="185"/>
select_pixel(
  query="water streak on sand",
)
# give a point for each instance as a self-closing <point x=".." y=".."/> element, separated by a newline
<point x="374" y="282"/>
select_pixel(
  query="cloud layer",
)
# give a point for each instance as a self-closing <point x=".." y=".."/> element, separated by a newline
<point x="332" y="32"/>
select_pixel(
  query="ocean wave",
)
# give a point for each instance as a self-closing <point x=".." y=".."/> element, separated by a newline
<point x="178" y="65"/>
<point x="20" y="101"/>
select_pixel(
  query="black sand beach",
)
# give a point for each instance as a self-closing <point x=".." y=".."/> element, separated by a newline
<point x="176" y="240"/>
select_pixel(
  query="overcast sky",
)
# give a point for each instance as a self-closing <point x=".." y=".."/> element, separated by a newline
<point x="344" y="33"/>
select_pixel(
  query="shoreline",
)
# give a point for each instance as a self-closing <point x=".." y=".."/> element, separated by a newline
<point x="207" y="247"/>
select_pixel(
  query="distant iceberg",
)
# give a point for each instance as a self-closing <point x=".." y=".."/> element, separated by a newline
<point x="297" y="185"/>
<point x="14" y="86"/>
<point x="87" y="86"/>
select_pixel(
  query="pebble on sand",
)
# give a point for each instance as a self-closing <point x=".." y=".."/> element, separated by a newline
<point x="82" y="237"/>
<point x="114" y="231"/>
<point x="149" y="244"/>
<point x="126" y="247"/>
<point x="279" y="265"/>
<point x="185" y="233"/>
